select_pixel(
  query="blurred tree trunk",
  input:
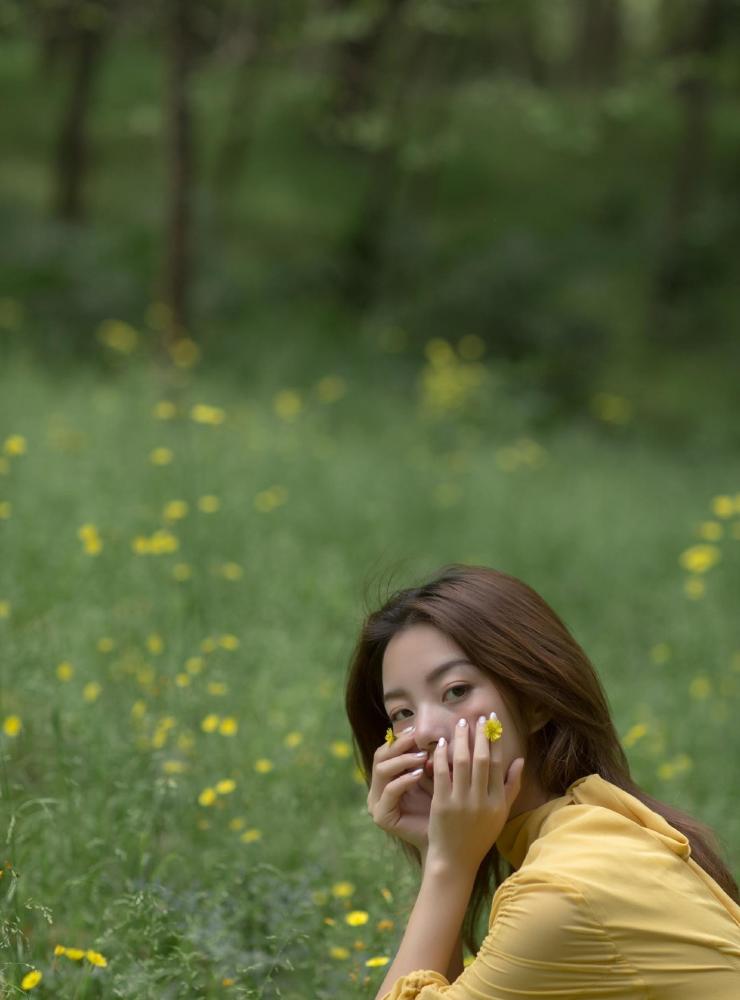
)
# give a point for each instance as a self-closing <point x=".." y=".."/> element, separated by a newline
<point x="599" y="35"/>
<point x="177" y="265"/>
<point x="696" y="44"/>
<point x="82" y="43"/>
<point x="356" y="59"/>
<point x="252" y="39"/>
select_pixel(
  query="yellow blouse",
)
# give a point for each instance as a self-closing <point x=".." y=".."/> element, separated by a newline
<point x="605" y="902"/>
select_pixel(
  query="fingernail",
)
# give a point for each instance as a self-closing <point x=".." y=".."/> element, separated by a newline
<point x="493" y="715"/>
<point x="481" y="720"/>
<point x="409" y="730"/>
<point x="421" y="753"/>
<point x="462" y="723"/>
<point x="442" y="742"/>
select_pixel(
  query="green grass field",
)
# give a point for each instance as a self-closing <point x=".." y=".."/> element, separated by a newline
<point x="179" y="794"/>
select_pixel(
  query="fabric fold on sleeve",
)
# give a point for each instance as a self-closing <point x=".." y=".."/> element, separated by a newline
<point x="411" y="987"/>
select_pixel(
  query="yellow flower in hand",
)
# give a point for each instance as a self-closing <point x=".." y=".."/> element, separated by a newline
<point x="493" y="729"/>
<point x="389" y="737"/>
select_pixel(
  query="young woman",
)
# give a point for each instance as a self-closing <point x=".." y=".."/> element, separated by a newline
<point x="486" y="737"/>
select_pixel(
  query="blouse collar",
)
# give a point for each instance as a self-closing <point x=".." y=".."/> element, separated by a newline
<point x="518" y="833"/>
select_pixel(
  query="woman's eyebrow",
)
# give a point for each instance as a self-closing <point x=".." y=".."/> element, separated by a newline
<point x="431" y="676"/>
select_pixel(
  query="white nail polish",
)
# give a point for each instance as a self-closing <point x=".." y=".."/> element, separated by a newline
<point x="442" y="742"/>
<point x="462" y="723"/>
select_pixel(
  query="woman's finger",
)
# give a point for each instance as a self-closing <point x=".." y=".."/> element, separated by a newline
<point x="461" y="761"/>
<point x="481" y="762"/>
<point x="496" y="765"/>
<point x="442" y="780"/>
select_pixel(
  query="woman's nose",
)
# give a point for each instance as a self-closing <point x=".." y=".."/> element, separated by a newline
<point x="429" y="728"/>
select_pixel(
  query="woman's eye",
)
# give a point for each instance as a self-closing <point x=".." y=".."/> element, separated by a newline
<point x="458" y="687"/>
<point x="396" y="717"/>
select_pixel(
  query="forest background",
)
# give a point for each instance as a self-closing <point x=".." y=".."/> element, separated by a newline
<point x="300" y="301"/>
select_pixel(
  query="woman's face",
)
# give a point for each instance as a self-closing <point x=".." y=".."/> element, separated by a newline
<point x="417" y="692"/>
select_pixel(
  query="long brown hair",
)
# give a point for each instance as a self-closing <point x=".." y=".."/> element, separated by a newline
<point x="510" y="632"/>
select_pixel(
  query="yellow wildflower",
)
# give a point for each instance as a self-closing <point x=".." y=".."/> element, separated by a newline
<point x="4" y="609"/>
<point x="376" y="961"/>
<point x="59" y="949"/>
<point x="75" y="954"/>
<point x="385" y="925"/>
<point x="338" y="952"/>
<point x="229" y="726"/>
<point x="15" y="444"/>
<point x="342" y="889"/>
<point x="65" y="671"/>
<point x="91" y="691"/>
<point x="95" y="958"/>
<point x="231" y="571"/>
<point x="287" y="404"/>
<point x="263" y="766"/>
<point x="356" y="918"/>
<point x="185" y="352"/>
<point x="155" y="643"/>
<point x="209" y="504"/>
<point x="164" y="410"/>
<point x="182" y="680"/>
<point x="660" y="652"/>
<point x="723" y="506"/>
<point x="210" y="723"/>
<point x="228" y="981"/>
<point x="105" y="644"/>
<point x="201" y="413"/>
<point x="340" y="749"/>
<point x="175" y="510"/>
<point x="208" y="645"/>
<point x="694" y="587"/>
<point x="699" y="558"/>
<point x="6" y="509"/>
<point x="634" y="734"/>
<point x="164" y="541"/>
<point x="236" y="823"/>
<point x="611" y="408"/>
<point x="12" y="725"/>
<point x="117" y="335"/>
<point x="267" y="500"/>
<point x="493" y="730"/>
<point x="700" y="688"/>
<point x="293" y="740"/>
<point x="387" y="895"/>
<point x="174" y="766"/>
<point x="226" y="786"/>
<point x="228" y="642"/>
<point x="249" y="836"/>
<point x="331" y="388"/>
<point x="710" y="531"/>
<point x="207" y="797"/>
<point x="389" y="735"/>
<point x="194" y="664"/>
<point x="161" y="456"/>
<point x="217" y="687"/>
<point x="31" y="979"/>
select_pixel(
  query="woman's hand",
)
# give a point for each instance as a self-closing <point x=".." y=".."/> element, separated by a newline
<point x="470" y="809"/>
<point x="395" y="801"/>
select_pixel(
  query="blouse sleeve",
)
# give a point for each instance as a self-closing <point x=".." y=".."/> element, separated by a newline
<point x="543" y="941"/>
